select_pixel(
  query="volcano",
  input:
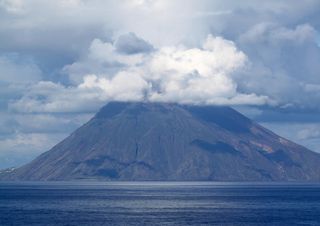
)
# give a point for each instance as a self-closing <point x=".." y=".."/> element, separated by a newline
<point x="131" y="141"/>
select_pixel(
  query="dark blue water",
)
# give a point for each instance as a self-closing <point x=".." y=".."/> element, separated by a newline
<point x="91" y="203"/>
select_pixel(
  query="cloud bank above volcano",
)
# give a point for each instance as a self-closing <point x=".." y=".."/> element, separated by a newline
<point x="169" y="74"/>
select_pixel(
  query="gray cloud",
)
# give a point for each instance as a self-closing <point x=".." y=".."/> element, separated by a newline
<point x="284" y="58"/>
<point x="131" y="44"/>
<point x="170" y="74"/>
<point x="17" y="69"/>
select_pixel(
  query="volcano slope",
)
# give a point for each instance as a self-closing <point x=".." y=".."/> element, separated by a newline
<point x="171" y="142"/>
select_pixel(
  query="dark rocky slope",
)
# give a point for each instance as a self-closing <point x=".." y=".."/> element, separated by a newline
<point x="156" y="141"/>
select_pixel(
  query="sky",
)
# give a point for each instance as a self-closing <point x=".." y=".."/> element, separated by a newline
<point x="60" y="61"/>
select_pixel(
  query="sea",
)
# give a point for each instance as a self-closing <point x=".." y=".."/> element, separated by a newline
<point x="158" y="203"/>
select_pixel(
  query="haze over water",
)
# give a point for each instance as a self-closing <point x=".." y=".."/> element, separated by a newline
<point x="159" y="203"/>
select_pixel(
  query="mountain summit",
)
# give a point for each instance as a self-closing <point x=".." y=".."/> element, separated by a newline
<point x="159" y="141"/>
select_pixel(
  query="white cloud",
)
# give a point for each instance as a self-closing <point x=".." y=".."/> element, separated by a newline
<point x="51" y="97"/>
<point x="125" y="86"/>
<point x="102" y="58"/>
<point x="199" y="76"/>
<point x="171" y="74"/>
